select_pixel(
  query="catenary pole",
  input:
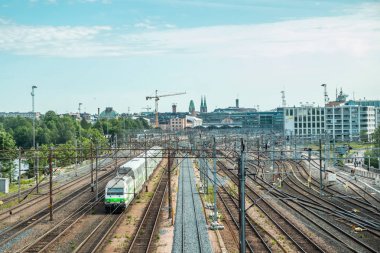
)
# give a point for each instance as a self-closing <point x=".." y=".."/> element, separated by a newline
<point x="215" y="185"/>
<point x="51" y="183"/>
<point x="242" y="199"/>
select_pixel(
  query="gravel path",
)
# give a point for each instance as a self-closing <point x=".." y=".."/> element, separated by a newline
<point x="190" y="229"/>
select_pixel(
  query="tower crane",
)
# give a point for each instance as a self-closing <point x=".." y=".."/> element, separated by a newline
<point x="147" y="108"/>
<point x="157" y="97"/>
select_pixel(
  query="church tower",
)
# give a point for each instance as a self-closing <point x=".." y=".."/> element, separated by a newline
<point x="204" y="105"/>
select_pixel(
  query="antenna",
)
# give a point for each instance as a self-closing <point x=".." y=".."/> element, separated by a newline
<point x="326" y="97"/>
<point x="283" y="99"/>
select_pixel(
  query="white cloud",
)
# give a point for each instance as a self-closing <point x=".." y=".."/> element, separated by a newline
<point x="63" y="41"/>
<point x="352" y="34"/>
<point x="145" y="24"/>
<point x="355" y="34"/>
<point x="4" y="21"/>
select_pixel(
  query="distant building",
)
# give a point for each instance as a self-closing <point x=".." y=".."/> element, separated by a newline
<point x="192" y="108"/>
<point x="341" y="120"/>
<point x="108" y="113"/>
<point x="304" y="121"/>
<point x="177" y="124"/>
<point x="180" y="123"/>
<point x="28" y="115"/>
<point x="192" y="121"/>
<point x="236" y="116"/>
<point x="86" y="116"/>
<point x="347" y="123"/>
<point x="203" y="108"/>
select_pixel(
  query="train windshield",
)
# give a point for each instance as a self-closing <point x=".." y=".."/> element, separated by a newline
<point x="115" y="191"/>
<point x="123" y="170"/>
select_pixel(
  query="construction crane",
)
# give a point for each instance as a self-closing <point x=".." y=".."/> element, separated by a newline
<point x="157" y="97"/>
<point x="147" y="108"/>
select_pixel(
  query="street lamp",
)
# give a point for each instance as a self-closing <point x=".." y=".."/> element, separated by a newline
<point x="34" y="117"/>
<point x="34" y="137"/>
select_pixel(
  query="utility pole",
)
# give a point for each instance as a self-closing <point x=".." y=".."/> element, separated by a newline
<point x="96" y="172"/>
<point x="170" y="188"/>
<point x="37" y="168"/>
<point x="241" y="175"/>
<point x="295" y="146"/>
<point x="272" y="156"/>
<point x="34" y="132"/>
<point x="19" y="174"/>
<point x="205" y="170"/>
<point x="51" y="183"/>
<point x="215" y="185"/>
<point x="80" y="136"/>
<point x="76" y="156"/>
<point x="116" y="151"/>
<point x="320" y="167"/>
<point x="92" y="168"/>
<point x="146" y="165"/>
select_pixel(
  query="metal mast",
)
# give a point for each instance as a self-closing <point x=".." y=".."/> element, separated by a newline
<point x="34" y="117"/>
<point x="325" y="93"/>
<point x="283" y="99"/>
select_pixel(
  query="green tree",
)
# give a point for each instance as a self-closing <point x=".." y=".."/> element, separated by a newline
<point x="8" y="153"/>
<point x="64" y="154"/>
<point x="376" y="140"/>
<point x="364" y="135"/>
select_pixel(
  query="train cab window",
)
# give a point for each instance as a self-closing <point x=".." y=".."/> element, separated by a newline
<point x="123" y="170"/>
<point x="115" y="191"/>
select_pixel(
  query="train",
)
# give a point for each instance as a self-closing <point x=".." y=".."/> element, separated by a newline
<point x="129" y="180"/>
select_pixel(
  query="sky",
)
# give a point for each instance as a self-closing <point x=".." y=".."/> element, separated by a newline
<point x="116" y="52"/>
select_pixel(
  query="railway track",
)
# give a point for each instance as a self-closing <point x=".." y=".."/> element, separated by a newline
<point x="255" y="242"/>
<point x="95" y="239"/>
<point x="44" y="241"/>
<point x="190" y="233"/>
<point x="345" y="202"/>
<point x="31" y="202"/>
<point x="374" y="201"/>
<point x="296" y="236"/>
<point x="42" y="185"/>
<point x="348" y="215"/>
<point x="23" y="193"/>
<point x="146" y="230"/>
<point x="309" y="210"/>
<point x="64" y="185"/>
<point x="12" y="232"/>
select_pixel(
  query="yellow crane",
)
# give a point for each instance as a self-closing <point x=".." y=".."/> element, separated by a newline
<point x="157" y="97"/>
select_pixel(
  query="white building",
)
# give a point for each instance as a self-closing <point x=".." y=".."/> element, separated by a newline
<point x="192" y="121"/>
<point x="350" y="122"/>
<point x="180" y="123"/>
<point x="304" y="121"/>
<point x="29" y="115"/>
<point x="341" y="122"/>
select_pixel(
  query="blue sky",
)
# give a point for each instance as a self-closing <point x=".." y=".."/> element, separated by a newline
<point x="114" y="53"/>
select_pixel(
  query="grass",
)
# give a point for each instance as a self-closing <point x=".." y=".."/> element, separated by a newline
<point x="358" y="145"/>
<point x="128" y="220"/>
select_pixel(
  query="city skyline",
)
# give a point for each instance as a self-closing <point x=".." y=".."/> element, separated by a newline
<point x="115" y="53"/>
